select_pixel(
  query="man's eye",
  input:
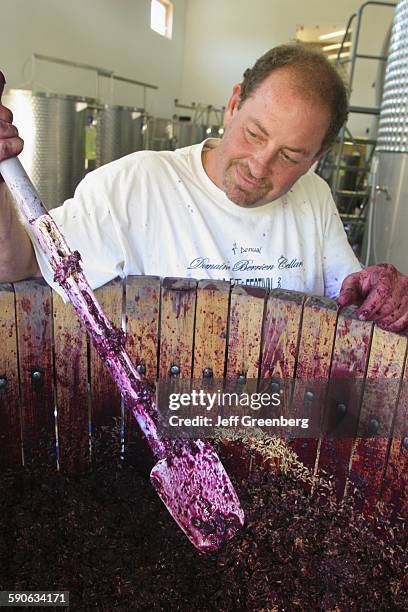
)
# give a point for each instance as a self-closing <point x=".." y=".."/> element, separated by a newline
<point x="251" y="135"/>
<point x="287" y="158"/>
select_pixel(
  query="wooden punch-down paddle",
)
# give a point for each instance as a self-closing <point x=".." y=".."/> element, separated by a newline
<point x="188" y="476"/>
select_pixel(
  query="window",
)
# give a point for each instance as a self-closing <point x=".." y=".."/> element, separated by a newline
<point x="161" y="17"/>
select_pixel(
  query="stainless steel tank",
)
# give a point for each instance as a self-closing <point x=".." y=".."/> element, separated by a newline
<point x="160" y="134"/>
<point x="387" y="227"/>
<point x="170" y="134"/>
<point x="213" y="131"/>
<point x="187" y="133"/>
<point x="120" y="130"/>
<point x="53" y="129"/>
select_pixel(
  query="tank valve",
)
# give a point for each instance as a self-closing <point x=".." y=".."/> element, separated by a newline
<point x="379" y="189"/>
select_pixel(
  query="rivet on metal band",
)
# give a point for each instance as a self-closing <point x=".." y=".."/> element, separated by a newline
<point x="373" y="426"/>
<point x="36" y="376"/>
<point x="309" y="396"/>
<point x="141" y="369"/>
<point x="341" y="409"/>
<point x="175" y="370"/>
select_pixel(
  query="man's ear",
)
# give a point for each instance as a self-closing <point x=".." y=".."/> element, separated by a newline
<point x="316" y="158"/>
<point x="233" y="103"/>
<point x="320" y="154"/>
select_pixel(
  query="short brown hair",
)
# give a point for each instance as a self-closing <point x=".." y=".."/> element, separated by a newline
<point x="317" y="76"/>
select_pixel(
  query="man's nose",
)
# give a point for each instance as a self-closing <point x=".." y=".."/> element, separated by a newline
<point x="261" y="163"/>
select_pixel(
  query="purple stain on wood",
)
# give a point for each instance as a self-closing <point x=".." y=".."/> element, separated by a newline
<point x="348" y="364"/>
<point x="200" y="481"/>
<point x="26" y="305"/>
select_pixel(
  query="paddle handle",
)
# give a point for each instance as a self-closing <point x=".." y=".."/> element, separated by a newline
<point x="108" y="340"/>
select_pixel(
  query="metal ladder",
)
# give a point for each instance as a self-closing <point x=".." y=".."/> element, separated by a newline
<point x="349" y="201"/>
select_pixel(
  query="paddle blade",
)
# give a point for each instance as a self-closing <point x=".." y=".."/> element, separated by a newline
<point x="194" y="486"/>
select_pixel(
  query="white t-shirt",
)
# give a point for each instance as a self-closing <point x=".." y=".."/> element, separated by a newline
<point x="158" y="213"/>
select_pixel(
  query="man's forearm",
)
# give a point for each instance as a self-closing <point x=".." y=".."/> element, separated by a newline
<point x="17" y="257"/>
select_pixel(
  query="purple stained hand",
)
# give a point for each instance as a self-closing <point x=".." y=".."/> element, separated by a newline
<point x="381" y="294"/>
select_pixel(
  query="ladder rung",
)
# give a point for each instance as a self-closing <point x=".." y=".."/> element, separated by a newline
<point x="352" y="194"/>
<point x="353" y="221"/>
<point x="361" y="140"/>
<point x="348" y="167"/>
<point x="365" y="110"/>
<point x="357" y="139"/>
<point x="348" y="218"/>
<point x="381" y="58"/>
<point x="375" y="57"/>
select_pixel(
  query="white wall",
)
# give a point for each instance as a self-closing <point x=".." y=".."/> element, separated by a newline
<point x="224" y="37"/>
<point x="113" y="34"/>
<point x="213" y="42"/>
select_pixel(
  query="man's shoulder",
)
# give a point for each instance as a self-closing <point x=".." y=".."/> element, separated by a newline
<point x="135" y="161"/>
<point x="140" y="164"/>
<point x="311" y="198"/>
<point x="314" y="182"/>
<point x="313" y="190"/>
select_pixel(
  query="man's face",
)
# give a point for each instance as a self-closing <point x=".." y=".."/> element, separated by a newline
<point x="269" y="142"/>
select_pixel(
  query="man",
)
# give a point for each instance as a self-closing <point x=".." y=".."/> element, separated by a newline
<point x="245" y="208"/>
